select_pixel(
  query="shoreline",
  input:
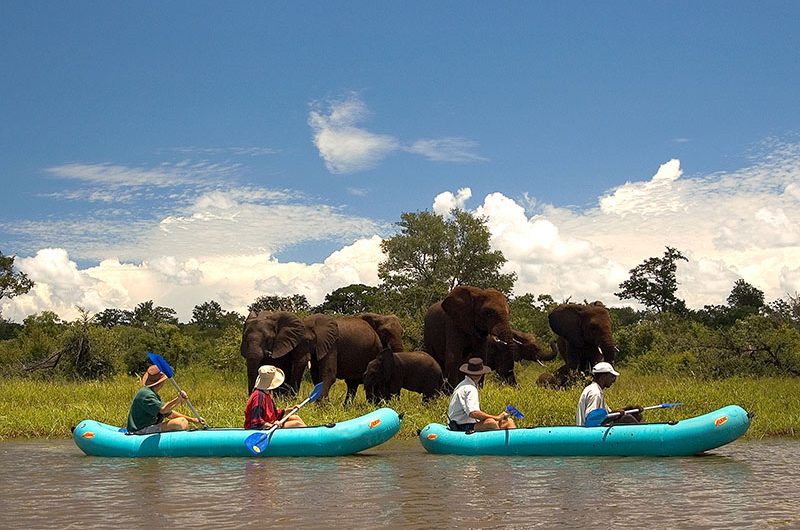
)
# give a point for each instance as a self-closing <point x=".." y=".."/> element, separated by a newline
<point x="36" y="409"/>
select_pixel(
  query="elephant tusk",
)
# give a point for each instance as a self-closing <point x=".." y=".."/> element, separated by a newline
<point x="504" y="343"/>
<point x="540" y="362"/>
<point x="518" y="341"/>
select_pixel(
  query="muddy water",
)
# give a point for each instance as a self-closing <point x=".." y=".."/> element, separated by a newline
<point x="748" y="484"/>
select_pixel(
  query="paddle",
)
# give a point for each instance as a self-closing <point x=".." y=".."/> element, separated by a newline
<point x="166" y="369"/>
<point x="259" y="441"/>
<point x="512" y="410"/>
<point x="597" y="416"/>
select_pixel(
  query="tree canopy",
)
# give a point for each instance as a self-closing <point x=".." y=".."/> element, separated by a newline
<point x="432" y="254"/>
<point x="297" y="303"/>
<point x="12" y="282"/>
<point x="351" y="300"/>
<point x="653" y="283"/>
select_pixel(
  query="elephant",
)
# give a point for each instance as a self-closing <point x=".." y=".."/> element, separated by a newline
<point x="355" y="345"/>
<point x="277" y="338"/>
<point x="584" y="338"/>
<point x="526" y="347"/>
<point x="462" y="326"/>
<point x="388" y="328"/>
<point x="413" y="370"/>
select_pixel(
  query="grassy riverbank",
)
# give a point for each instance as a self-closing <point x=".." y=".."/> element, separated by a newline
<point x="37" y="409"/>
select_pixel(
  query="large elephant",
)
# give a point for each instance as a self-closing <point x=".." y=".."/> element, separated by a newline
<point x="463" y="324"/>
<point x="392" y="371"/>
<point x="276" y="338"/>
<point x="584" y="337"/>
<point x="388" y="328"/>
<point x="356" y="344"/>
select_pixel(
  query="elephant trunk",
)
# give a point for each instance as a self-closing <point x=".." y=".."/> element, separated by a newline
<point x="609" y="350"/>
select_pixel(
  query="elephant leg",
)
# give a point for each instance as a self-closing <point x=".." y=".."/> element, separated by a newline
<point x="298" y="369"/>
<point x="352" y="388"/>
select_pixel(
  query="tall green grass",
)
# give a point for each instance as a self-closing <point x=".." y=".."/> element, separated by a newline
<point x="36" y="409"/>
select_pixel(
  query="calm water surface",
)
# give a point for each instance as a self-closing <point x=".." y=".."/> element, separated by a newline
<point x="748" y="484"/>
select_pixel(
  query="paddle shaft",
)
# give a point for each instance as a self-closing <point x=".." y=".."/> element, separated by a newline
<point x="196" y="415"/>
<point x="631" y="411"/>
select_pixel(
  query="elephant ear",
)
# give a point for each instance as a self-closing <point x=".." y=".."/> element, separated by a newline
<point x="290" y="330"/>
<point x="459" y="306"/>
<point x="326" y="331"/>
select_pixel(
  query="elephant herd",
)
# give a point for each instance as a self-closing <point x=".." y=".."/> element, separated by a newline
<point x="368" y="349"/>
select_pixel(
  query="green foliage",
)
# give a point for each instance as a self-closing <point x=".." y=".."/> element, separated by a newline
<point x="12" y="282"/>
<point x="529" y="313"/>
<point x="351" y="300"/>
<point x="744" y="295"/>
<point x="148" y="316"/>
<point x="432" y="254"/>
<point x="108" y="318"/>
<point x="226" y="351"/>
<point x="786" y="310"/>
<point x="296" y="303"/>
<point x="653" y="283"/>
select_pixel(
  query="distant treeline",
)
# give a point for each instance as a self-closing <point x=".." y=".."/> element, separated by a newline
<point x="741" y="338"/>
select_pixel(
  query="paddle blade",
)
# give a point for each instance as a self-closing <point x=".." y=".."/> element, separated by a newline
<point x="595" y="418"/>
<point x="511" y="409"/>
<point x="257" y="442"/>
<point x="316" y="393"/>
<point x="162" y="364"/>
<point x="667" y="405"/>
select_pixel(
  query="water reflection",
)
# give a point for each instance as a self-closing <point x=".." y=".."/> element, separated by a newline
<point x="747" y="484"/>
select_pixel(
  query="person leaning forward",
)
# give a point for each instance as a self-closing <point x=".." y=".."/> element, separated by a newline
<point x="148" y="414"/>
<point x="593" y="397"/>
<point x="464" y="412"/>
<point x="260" y="411"/>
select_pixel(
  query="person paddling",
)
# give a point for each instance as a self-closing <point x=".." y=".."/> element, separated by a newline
<point x="464" y="412"/>
<point x="261" y="412"/>
<point x="593" y="397"/>
<point x="148" y="414"/>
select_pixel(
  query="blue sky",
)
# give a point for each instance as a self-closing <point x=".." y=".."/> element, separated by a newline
<point x="188" y="151"/>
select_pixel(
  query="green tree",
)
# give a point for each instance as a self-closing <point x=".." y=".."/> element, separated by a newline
<point x="351" y="300"/>
<point x="653" y="283"/>
<point x="12" y="282"/>
<point x="297" y="303"/>
<point x="745" y="296"/>
<point x="207" y="315"/>
<point x="147" y="315"/>
<point x="108" y="318"/>
<point x="431" y="255"/>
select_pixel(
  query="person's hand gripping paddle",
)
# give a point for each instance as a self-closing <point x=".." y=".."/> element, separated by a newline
<point x="166" y="369"/>
<point x="596" y="417"/>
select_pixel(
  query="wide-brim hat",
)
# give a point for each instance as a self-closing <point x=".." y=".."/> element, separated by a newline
<point x="153" y="376"/>
<point x="604" y="368"/>
<point x="269" y="377"/>
<point x="474" y="366"/>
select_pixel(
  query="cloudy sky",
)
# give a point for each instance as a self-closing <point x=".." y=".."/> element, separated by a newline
<point x="190" y="151"/>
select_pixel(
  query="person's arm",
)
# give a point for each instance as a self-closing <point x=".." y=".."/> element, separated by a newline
<point x="480" y="415"/>
<point x="166" y="408"/>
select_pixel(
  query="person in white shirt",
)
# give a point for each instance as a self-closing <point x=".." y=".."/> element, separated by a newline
<point x="592" y="397"/>
<point x="465" y="412"/>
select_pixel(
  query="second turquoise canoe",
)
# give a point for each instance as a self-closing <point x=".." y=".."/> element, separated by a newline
<point x="685" y="437"/>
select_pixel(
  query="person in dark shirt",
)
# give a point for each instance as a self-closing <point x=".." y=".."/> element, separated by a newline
<point x="261" y="412"/>
<point x="148" y="414"/>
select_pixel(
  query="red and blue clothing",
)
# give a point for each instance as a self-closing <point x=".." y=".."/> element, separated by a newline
<point x="260" y="409"/>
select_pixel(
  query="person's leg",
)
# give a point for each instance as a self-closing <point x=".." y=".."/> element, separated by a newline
<point x="507" y="423"/>
<point x="294" y="421"/>
<point x="175" y="424"/>
<point x="486" y="425"/>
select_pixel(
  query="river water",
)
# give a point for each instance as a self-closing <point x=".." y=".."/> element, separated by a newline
<point x="747" y="484"/>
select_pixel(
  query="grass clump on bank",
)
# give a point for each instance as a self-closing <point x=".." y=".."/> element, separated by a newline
<point x="32" y="408"/>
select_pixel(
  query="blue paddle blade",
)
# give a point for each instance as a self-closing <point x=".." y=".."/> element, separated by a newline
<point x="667" y="405"/>
<point x="162" y="364"/>
<point x="257" y="442"/>
<point x="511" y="409"/>
<point x="316" y="392"/>
<point x="595" y="418"/>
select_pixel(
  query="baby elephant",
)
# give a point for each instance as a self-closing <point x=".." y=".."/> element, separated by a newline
<point x="413" y="370"/>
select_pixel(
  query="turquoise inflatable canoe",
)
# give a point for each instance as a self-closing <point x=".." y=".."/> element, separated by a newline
<point x="679" y="438"/>
<point x="344" y="438"/>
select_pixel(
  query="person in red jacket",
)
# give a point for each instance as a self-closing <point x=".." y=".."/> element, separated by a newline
<point x="261" y="412"/>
